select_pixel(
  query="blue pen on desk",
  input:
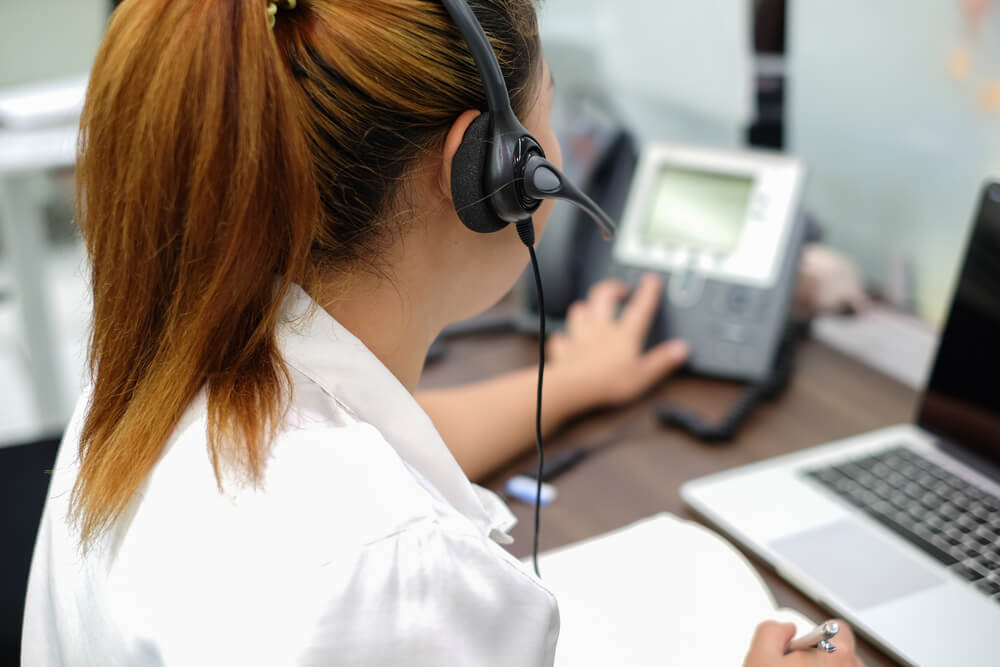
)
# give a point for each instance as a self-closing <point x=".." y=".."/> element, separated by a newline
<point x="524" y="486"/>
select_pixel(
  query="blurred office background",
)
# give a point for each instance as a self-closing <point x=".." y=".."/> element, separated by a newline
<point x="894" y="106"/>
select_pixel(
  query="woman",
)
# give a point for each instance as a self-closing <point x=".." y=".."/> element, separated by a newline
<point x="265" y="201"/>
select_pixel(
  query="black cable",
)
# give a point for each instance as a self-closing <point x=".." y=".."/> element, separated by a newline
<point x="526" y="231"/>
<point x="671" y="414"/>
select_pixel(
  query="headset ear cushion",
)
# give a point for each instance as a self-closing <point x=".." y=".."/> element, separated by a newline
<point x="468" y="171"/>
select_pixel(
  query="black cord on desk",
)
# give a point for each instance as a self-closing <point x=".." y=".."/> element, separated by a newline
<point x="671" y="414"/>
<point x="567" y="460"/>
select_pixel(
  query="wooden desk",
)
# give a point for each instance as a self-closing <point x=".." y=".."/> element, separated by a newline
<point x="830" y="397"/>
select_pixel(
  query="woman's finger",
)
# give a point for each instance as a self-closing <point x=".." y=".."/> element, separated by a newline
<point x="662" y="360"/>
<point x="641" y="308"/>
<point x="604" y="298"/>
<point x="557" y="343"/>
<point x="769" y="641"/>
<point x="577" y="316"/>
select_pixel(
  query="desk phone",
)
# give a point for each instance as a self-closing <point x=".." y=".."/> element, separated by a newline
<point x="723" y="227"/>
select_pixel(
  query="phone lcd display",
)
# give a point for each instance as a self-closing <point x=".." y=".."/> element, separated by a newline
<point x="698" y="209"/>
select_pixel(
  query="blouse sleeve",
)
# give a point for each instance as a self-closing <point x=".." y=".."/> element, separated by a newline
<point x="432" y="596"/>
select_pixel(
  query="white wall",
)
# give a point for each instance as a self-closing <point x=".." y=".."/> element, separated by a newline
<point x="675" y="69"/>
<point x="46" y="39"/>
<point x="896" y="145"/>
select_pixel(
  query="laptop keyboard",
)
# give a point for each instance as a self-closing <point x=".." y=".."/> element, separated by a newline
<point x="940" y="513"/>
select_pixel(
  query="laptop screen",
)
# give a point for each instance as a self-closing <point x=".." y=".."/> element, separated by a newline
<point x="962" y="400"/>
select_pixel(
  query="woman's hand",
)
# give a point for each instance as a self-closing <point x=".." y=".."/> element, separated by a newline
<point x="767" y="649"/>
<point x="599" y="360"/>
<point x="603" y="351"/>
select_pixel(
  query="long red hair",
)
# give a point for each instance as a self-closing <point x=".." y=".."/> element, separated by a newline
<point x="220" y="162"/>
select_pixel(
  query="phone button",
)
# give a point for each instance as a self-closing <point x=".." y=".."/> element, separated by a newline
<point x="734" y="332"/>
<point x="726" y="356"/>
<point x="685" y="287"/>
<point x="738" y="301"/>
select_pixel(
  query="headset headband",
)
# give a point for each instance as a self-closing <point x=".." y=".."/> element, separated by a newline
<point x="497" y="99"/>
<point x="500" y="174"/>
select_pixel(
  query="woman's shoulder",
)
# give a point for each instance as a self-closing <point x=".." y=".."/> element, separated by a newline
<point x="323" y="465"/>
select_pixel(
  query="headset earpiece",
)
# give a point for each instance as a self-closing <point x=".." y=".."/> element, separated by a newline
<point x="487" y="173"/>
<point x="468" y="179"/>
<point x="500" y="177"/>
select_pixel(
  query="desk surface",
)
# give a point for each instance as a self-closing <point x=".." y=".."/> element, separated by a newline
<point x="831" y="396"/>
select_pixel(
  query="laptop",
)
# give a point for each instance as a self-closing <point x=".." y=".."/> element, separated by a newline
<point x="898" y="530"/>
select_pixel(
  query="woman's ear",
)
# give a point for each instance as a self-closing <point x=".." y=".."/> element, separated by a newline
<point x="451" y="143"/>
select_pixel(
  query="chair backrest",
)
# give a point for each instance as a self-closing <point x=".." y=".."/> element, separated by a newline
<point x="24" y="482"/>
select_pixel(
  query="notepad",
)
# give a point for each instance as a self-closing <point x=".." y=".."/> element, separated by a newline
<point x="661" y="591"/>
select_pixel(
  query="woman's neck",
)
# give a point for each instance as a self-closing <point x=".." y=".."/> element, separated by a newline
<point x="392" y="322"/>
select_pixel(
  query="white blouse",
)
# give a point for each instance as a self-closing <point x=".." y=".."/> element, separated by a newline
<point x="365" y="543"/>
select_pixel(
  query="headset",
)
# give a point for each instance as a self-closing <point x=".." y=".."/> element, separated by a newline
<point x="499" y="176"/>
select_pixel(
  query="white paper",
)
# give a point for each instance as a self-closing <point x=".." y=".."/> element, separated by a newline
<point x="661" y="591"/>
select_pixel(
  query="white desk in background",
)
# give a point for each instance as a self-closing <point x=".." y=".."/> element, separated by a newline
<point x="23" y="154"/>
<point x="38" y="132"/>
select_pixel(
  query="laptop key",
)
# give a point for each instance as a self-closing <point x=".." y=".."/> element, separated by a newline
<point x="980" y="511"/>
<point x="882" y="490"/>
<point x="988" y="586"/>
<point x="992" y="534"/>
<point x="981" y="541"/>
<point x="896" y="480"/>
<point x="987" y="565"/>
<point x="865" y="479"/>
<point x="924" y="545"/>
<point x="828" y="475"/>
<point x="949" y="511"/>
<point x="925" y="479"/>
<point x="968" y="552"/>
<point x="966" y="572"/>
<point x="849" y="470"/>
<point x="930" y="500"/>
<point x="960" y="499"/>
<point x="892" y="458"/>
<point x="940" y="488"/>
<point x="899" y="500"/>
<point x="951" y="541"/>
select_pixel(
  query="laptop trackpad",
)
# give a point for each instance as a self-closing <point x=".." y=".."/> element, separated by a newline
<point x="856" y="564"/>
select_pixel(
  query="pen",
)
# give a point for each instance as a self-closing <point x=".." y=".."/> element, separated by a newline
<point x="818" y="638"/>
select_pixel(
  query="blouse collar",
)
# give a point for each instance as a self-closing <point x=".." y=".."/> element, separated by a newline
<point x="315" y="344"/>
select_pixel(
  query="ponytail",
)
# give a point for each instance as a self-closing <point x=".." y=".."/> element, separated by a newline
<point x="198" y="204"/>
<point x="222" y="160"/>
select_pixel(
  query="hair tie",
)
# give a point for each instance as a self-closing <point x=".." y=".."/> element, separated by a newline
<point x="272" y="10"/>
